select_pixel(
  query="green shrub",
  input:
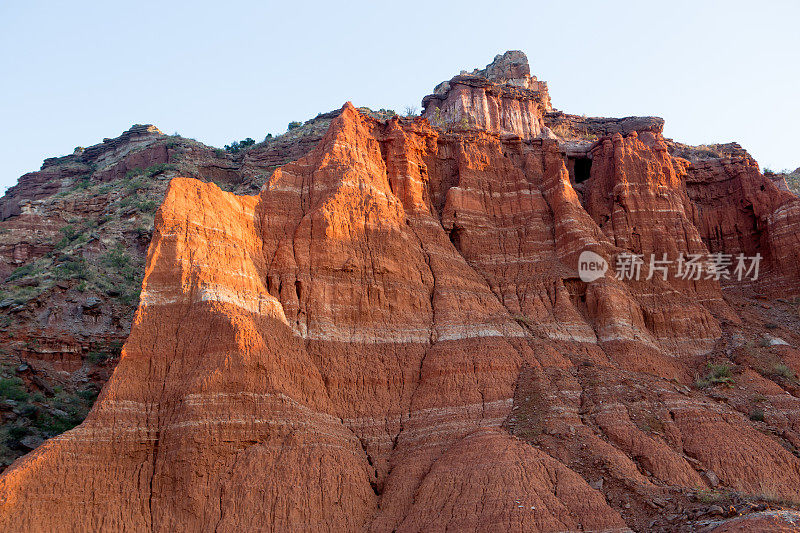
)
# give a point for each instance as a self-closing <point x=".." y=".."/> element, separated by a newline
<point x="133" y="185"/>
<point x="15" y="433"/>
<point x="239" y="146"/>
<point x="28" y="411"/>
<point x="294" y="125"/>
<point x="116" y="258"/>
<point x="115" y="347"/>
<point x="97" y="357"/>
<point x="22" y="272"/>
<point x="130" y="298"/>
<point x="127" y="201"/>
<point x="54" y="425"/>
<point x="782" y="370"/>
<point x="82" y="183"/>
<point x="159" y="168"/>
<point x="150" y="171"/>
<point x="70" y="234"/>
<point x="147" y="206"/>
<point x="717" y="374"/>
<point x="13" y="389"/>
<point x="88" y="395"/>
<point x="713" y="496"/>
<point x="72" y="410"/>
<point x="522" y="320"/>
<point x="71" y="269"/>
<point x="721" y="371"/>
<point x="142" y="232"/>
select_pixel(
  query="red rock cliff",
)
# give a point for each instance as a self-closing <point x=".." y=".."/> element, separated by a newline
<point x="392" y="335"/>
<point x="502" y="98"/>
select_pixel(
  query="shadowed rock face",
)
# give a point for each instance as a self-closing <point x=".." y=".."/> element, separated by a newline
<point x="392" y="335"/>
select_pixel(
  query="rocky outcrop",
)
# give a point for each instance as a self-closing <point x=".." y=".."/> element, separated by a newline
<point x="56" y="171"/>
<point x="73" y="241"/>
<point x="570" y="126"/>
<point x="502" y="98"/>
<point x="737" y="210"/>
<point x="392" y="335"/>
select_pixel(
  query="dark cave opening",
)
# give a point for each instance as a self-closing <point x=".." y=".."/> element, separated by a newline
<point x="583" y="169"/>
<point x="455" y="238"/>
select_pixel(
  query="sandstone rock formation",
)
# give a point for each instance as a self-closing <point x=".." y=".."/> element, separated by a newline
<point x="502" y="98"/>
<point x="392" y="335"/>
<point x="73" y="241"/>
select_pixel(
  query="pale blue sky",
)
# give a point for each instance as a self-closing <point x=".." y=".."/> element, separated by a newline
<point x="72" y="73"/>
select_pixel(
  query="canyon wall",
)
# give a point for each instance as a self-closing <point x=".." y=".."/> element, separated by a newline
<point x="392" y="334"/>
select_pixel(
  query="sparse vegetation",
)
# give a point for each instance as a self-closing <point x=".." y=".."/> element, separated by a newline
<point x="150" y="171"/>
<point x="97" y="357"/>
<point x="784" y="371"/>
<point x="793" y="182"/>
<point x="438" y="118"/>
<point x="82" y="183"/>
<point x="566" y="132"/>
<point x="13" y="388"/>
<point x="718" y="373"/>
<point x="146" y="206"/>
<point x="24" y="271"/>
<point x="294" y="125"/>
<point x="39" y="414"/>
<point x="15" y="433"/>
<point x="239" y="146"/>
<point x="101" y="354"/>
<point x="522" y="320"/>
<point x="714" y="496"/>
<point x="70" y="269"/>
<point x="652" y="424"/>
<point x="70" y="234"/>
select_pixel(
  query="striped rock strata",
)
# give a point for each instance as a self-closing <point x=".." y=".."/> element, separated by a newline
<point x="392" y="336"/>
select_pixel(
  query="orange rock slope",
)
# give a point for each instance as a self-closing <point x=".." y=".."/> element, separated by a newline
<point x="393" y="336"/>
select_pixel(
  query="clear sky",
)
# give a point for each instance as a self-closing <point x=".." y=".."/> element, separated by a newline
<point x="72" y="73"/>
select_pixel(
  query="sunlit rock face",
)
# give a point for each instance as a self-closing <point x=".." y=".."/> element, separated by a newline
<point x="393" y="335"/>
<point x="502" y="98"/>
